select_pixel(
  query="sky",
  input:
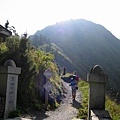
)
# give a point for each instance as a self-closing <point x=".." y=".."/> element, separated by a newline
<point x="32" y="15"/>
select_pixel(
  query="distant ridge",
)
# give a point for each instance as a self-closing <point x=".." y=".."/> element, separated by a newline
<point x="85" y="44"/>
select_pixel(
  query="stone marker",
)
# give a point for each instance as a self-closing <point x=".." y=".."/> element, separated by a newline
<point x="97" y="86"/>
<point x="8" y="85"/>
<point x="100" y="115"/>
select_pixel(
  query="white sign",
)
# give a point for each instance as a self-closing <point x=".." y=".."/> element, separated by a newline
<point x="48" y="74"/>
<point x="48" y="86"/>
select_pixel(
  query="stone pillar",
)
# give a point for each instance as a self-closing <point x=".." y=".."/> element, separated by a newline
<point x="97" y="87"/>
<point x="8" y="87"/>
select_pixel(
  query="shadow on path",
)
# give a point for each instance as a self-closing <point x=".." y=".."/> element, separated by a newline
<point x="35" y="115"/>
<point x="41" y="116"/>
<point x="76" y="104"/>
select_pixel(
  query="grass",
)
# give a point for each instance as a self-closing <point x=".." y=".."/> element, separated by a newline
<point x="111" y="106"/>
<point x="82" y="113"/>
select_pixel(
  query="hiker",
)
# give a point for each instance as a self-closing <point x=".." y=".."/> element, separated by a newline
<point x="64" y="70"/>
<point x="77" y="77"/>
<point x="74" y="87"/>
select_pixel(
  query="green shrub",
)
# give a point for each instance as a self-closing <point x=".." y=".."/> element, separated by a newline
<point x="113" y="108"/>
<point x="38" y="106"/>
<point x="14" y="113"/>
<point x="53" y="106"/>
<point x="82" y="113"/>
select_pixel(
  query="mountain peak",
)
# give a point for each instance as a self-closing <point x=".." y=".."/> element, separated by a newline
<point x="86" y="44"/>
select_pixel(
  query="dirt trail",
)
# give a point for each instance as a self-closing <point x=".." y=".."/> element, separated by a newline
<point x="67" y="110"/>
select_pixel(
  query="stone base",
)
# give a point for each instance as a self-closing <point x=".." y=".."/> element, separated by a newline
<point x="100" y="115"/>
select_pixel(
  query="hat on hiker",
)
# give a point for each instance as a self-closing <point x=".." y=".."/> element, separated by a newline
<point x="73" y="77"/>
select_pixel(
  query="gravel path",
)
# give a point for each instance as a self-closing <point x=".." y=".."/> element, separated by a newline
<point x="67" y="110"/>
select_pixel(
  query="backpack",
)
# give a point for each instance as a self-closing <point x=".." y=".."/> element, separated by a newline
<point x="73" y="84"/>
<point x="77" y="78"/>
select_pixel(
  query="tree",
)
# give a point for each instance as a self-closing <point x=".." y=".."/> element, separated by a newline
<point x="30" y="61"/>
<point x="11" y="28"/>
<point x="7" y="24"/>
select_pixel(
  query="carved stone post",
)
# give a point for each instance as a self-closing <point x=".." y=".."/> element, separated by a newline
<point x="97" y="86"/>
<point x="8" y="85"/>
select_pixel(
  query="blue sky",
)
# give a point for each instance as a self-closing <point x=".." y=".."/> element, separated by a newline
<point x="33" y="15"/>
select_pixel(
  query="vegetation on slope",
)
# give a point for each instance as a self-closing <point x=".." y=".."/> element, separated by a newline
<point x="60" y="56"/>
<point x="31" y="61"/>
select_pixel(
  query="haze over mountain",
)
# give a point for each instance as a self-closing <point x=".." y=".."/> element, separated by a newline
<point x="81" y="44"/>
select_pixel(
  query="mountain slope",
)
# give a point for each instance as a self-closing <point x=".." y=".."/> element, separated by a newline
<point x="87" y="44"/>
